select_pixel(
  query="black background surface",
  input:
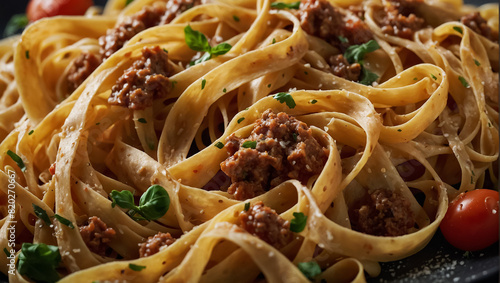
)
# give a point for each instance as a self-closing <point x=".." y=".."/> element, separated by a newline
<point x="438" y="262"/>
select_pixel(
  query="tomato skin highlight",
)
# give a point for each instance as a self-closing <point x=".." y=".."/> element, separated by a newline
<point x="38" y="9"/>
<point x="471" y="222"/>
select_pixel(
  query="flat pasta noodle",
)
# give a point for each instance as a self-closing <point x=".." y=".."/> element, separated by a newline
<point x="198" y="99"/>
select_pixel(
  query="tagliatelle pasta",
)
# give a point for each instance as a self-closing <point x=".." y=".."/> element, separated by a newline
<point x="296" y="141"/>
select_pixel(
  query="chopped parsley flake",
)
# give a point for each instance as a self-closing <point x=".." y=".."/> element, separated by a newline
<point x="281" y="5"/>
<point x="6" y="252"/>
<point x="459" y="29"/>
<point x="249" y="144"/>
<point x="219" y="145"/>
<point x="42" y="214"/>
<point x="135" y="267"/>
<point x="399" y="130"/>
<point x="27" y="54"/>
<point x="224" y="90"/>
<point x="434" y="77"/>
<point x="247" y="206"/>
<point x="284" y="97"/>
<point x="269" y="86"/>
<point x="477" y="63"/>
<point x="298" y="223"/>
<point x="241" y="119"/>
<point x="142" y="120"/>
<point x="31" y="132"/>
<point x="17" y="159"/>
<point x="274" y="40"/>
<point x="463" y="81"/>
<point x="310" y="269"/>
<point x="313" y="101"/>
<point x="203" y="83"/>
<point x="165" y="50"/>
<point x="64" y="221"/>
<point x="236" y="18"/>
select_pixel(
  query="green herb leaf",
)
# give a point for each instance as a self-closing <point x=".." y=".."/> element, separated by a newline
<point x="219" y="145"/>
<point x="128" y="2"/>
<point x="367" y="76"/>
<point x="459" y="29"/>
<point x="196" y="40"/>
<point x="124" y="199"/>
<point x="31" y="132"/>
<point x="203" y="83"/>
<point x="274" y="40"/>
<point x="241" y="119"/>
<point x="310" y="269"/>
<point x="281" y="5"/>
<point x="173" y="84"/>
<point x="294" y="136"/>
<point x="399" y="130"/>
<point x="298" y="223"/>
<point x="221" y="49"/>
<point x="142" y="120"/>
<point x="314" y="101"/>
<point x="463" y="81"/>
<point x="224" y="90"/>
<point x="154" y="203"/>
<point x="415" y="79"/>
<point x="247" y="206"/>
<point x="343" y="39"/>
<point x="249" y="144"/>
<point x="236" y="18"/>
<point x="165" y="50"/>
<point x="135" y="267"/>
<point x="42" y="214"/>
<point x="64" y="221"/>
<point x="38" y="262"/>
<point x="17" y="159"/>
<point x="27" y="54"/>
<point x="434" y="77"/>
<point x="7" y="253"/>
<point x="477" y="63"/>
<point x="284" y="97"/>
<point x="16" y="23"/>
<point x="356" y="53"/>
<point x="207" y="56"/>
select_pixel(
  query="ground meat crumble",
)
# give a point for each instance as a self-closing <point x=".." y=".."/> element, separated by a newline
<point x="97" y="235"/>
<point x="81" y="67"/>
<point x="265" y="223"/>
<point x="479" y="25"/>
<point x="400" y="18"/>
<point x="146" y="80"/>
<point x="155" y="243"/>
<point x="383" y="213"/>
<point x="285" y="149"/>
<point x="342" y="68"/>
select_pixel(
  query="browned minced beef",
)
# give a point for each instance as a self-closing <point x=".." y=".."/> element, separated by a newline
<point x="285" y="148"/>
<point x="321" y="19"/>
<point x="177" y="7"/>
<point x="400" y="19"/>
<point x="265" y="223"/>
<point x="81" y="67"/>
<point x="145" y="80"/>
<point x="154" y="244"/>
<point x="383" y="213"/>
<point x="116" y="37"/>
<point x="97" y="235"/>
<point x="342" y="68"/>
<point x="479" y="25"/>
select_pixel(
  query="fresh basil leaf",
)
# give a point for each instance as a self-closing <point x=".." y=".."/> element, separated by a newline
<point x="196" y="40"/>
<point x="298" y="223"/>
<point x="356" y="53"/>
<point x="42" y="214"/>
<point x="64" y="221"/>
<point x="17" y="159"/>
<point x="249" y="144"/>
<point x="221" y="49"/>
<point x="154" y="202"/>
<point x="38" y="262"/>
<point x="367" y="77"/>
<point x="310" y="269"/>
<point x="16" y="23"/>
<point x="281" y="5"/>
<point x="124" y="199"/>
<point x="284" y="97"/>
<point x="135" y="267"/>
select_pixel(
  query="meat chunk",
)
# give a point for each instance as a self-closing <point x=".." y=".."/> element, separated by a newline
<point x="400" y="18"/>
<point x="342" y="68"/>
<point x="321" y="19"/>
<point x="155" y="243"/>
<point x="383" y="213"/>
<point x="265" y="223"/>
<point x="81" y="67"/>
<point x="479" y="25"/>
<point x="97" y="235"/>
<point x="177" y="7"/>
<point x="284" y="148"/>
<point x="146" y="80"/>
<point x="116" y="37"/>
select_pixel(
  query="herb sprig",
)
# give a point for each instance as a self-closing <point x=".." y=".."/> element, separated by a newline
<point x="197" y="41"/>
<point x="153" y="204"/>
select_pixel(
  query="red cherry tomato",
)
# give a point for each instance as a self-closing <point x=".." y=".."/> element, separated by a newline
<point x="471" y="222"/>
<point x="38" y="9"/>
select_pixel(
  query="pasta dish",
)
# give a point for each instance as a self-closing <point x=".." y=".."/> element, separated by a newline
<point x="241" y="140"/>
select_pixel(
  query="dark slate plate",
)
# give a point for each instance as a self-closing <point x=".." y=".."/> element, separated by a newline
<point x="437" y="262"/>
